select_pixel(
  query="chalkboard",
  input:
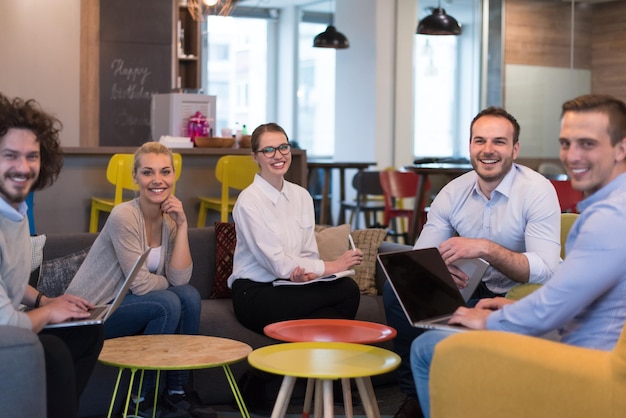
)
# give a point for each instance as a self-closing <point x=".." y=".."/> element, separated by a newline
<point x="135" y="62"/>
<point x="143" y="21"/>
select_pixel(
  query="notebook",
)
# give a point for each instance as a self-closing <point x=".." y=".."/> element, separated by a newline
<point x="425" y="288"/>
<point x="103" y="312"/>
<point x="328" y="278"/>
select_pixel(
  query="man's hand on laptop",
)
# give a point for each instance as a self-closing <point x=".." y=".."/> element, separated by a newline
<point x="460" y="279"/>
<point x="59" y="309"/>
<point x="493" y="303"/>
<point x="476" y="318"/>
<point x="456" y="248"/>
<point x="473" y="318"/>
<point x="67" y="307"/>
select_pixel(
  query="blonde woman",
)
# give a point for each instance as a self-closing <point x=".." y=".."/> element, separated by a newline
<point x="161" y="301"/>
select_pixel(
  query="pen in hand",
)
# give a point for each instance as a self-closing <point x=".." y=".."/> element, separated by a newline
<point x="351" y="242"/>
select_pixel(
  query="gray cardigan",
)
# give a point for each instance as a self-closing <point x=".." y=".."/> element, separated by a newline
<point x="113" y="254"/>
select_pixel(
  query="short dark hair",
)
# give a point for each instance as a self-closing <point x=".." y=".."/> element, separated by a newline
<point x="266" y="127"/>
<point x="500" y="113"/>
<point x="17" y="113"/>
<point x="614" y="108"/>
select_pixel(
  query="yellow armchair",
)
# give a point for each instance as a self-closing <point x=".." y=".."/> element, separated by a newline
<point x="486" y="374"/>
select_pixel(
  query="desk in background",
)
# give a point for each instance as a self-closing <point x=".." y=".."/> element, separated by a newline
<point x="327" y="166"/>
<point x="451" y="170"/>
<point x="65" y="206"/>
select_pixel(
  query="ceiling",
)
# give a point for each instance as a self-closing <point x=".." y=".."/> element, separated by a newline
<point x="309" y="5"/>
<point x="323" y="5"/>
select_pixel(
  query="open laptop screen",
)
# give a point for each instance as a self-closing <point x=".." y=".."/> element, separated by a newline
<point x="422" y="282"/>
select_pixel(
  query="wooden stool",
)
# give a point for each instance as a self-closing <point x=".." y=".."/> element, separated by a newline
<point x="172" y="352"/>
<point x="325" y="362"/>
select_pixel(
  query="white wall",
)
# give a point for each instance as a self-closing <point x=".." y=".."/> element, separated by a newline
<point x="40" y="49"/>
<point x="534" y="95"/>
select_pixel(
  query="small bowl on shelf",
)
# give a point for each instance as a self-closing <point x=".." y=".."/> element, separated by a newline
<point x="228" y="142"/>
<point x="246" y="141"/>
<point x="208" y="142"/>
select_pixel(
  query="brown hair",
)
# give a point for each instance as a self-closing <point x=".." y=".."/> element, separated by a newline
<point x="261" y="129"/>
<point x="152" y="148"/>
<point x="501" y="113"/>
<point x="17" y="113"/>
<point x="615" y="109"/>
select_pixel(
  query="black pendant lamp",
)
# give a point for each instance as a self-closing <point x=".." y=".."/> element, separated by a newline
<point x="438" y="23"/>
<point x="331" y="38"/>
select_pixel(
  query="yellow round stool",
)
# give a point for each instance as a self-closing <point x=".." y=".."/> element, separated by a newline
<point x="325" y="362"/>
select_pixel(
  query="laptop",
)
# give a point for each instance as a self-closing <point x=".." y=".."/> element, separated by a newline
<point x="425" y="288"/>
<point x="101" y="313"/>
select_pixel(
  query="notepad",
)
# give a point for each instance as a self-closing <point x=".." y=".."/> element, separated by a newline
<point x="327" y="278"/>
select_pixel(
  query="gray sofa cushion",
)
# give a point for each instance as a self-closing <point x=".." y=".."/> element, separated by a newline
<point x="22" y="367"/>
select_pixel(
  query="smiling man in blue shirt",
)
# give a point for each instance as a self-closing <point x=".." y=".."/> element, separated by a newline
<point x="502" y="212"/>
<point x="584" y="300"/>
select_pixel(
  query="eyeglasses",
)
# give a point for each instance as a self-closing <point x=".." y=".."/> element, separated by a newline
<point x="269" y="152"/>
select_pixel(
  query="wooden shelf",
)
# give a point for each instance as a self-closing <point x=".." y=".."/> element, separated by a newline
<point x="187" y="50"/>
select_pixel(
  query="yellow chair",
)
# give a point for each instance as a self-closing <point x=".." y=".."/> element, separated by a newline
<point x="502" y="374"/>
<point x="233" y="171"/>
<point x="567" y="220"/>
<point x="521" y="290"/>
<point x="120" y="174"/>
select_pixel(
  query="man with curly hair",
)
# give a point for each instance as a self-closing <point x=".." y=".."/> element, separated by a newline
<point x="30" y="160"/>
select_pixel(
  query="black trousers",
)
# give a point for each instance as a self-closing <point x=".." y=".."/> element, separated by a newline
<point x="259" y="304"/>
<point x="70" y="354"/>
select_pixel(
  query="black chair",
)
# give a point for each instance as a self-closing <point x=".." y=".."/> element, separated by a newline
<point x="369" y="199"/>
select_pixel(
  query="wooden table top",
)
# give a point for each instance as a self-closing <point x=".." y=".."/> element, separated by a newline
<point x="172" y="352"/>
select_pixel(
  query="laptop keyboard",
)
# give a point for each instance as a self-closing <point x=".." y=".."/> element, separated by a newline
<point x="96" y="312"/>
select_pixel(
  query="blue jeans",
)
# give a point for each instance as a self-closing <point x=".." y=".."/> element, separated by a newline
<point x="175" y="310"/>
<point x="406" y="333"/>
<point x="422" y="351"/>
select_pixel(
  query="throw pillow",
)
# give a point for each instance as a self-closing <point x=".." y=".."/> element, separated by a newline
<point x="56" y="274"/>
<point x="37" y="244"/>
<point x="332" y="241"/>
<point x="368" y="241"/>
<point x="226" y="240"/>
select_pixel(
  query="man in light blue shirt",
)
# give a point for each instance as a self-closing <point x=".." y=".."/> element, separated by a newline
<point x="505" y="213"/>
<point x="584" y="299"/>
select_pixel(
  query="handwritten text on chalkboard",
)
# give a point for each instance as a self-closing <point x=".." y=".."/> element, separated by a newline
<point x="129" y="82"/>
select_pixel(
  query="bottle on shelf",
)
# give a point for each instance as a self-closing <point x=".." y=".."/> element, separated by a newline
<point x="238" y="134"/>
<point x="244" y="130"/>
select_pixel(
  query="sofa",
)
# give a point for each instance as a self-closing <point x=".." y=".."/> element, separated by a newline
<point x="217" y="319"/>
<point x="22" y="368"/>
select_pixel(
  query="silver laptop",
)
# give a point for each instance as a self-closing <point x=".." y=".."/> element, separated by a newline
<point x="101" y="313"/>
<point x="425" y="288"/>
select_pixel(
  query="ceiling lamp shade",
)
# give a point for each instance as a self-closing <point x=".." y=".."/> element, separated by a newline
<point x="438" y="23"/>
<point x="331" y="38"/>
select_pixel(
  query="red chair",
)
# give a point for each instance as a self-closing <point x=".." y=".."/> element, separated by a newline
<point x="568" y="196"/>
<point x="398" y="186"/>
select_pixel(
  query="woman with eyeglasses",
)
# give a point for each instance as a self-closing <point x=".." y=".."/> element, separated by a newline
<point x="275" y="223"/>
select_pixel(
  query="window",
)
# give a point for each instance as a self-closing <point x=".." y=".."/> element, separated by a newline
<point x="447" y="83"/>
<point x="236" y="61"/>
<point x="435" y="75"/>
<point x="316" y="94"/>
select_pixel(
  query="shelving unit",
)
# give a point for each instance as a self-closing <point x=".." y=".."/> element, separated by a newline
<point x="186" y="50"/>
